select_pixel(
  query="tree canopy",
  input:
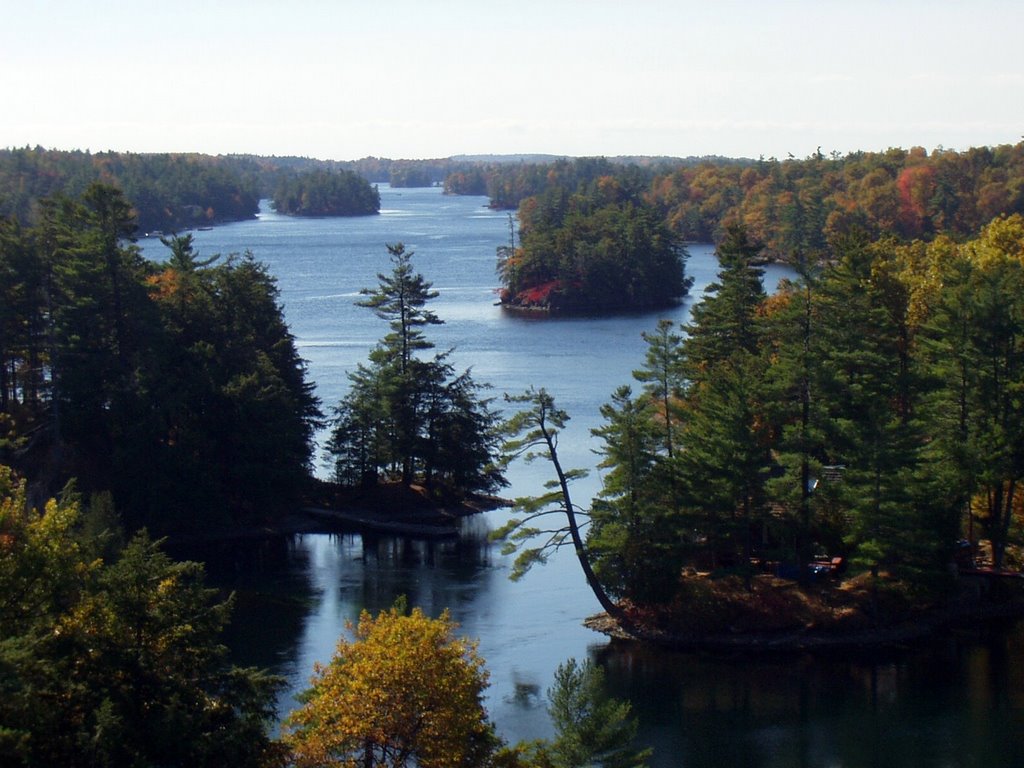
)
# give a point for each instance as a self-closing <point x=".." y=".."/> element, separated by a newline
<point x="325" y="193"/>
<point x="131" y="375"/>
<point x="599" y="248"/>
<point x="168" y="192"/>
<point x="412" y="418"/>
<point x="404" y="691"/>
<point x="110" y="656"/>
<point x="864" y="414"/>
<point x="791" y="206"/>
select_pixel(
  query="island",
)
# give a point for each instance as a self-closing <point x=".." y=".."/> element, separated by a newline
<point x="600" y="248"/>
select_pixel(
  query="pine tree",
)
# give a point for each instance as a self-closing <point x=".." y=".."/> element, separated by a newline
<point x="726" y="458"/>
<point x="798" y="417"/>
<point x="663" y="379"/>
<point x="532" y="433"/>
<point x="411" y="416"/>
<point x="874" y="392"/>
<point x="725" y="321"/>
<point x="631" y="533"/>
<point x="401" y="298"/>
<point x="725" y="450"/>
<point x="591" y="728"/>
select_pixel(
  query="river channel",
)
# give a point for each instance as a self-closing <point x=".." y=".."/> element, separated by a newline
<point x="958" y="701"/>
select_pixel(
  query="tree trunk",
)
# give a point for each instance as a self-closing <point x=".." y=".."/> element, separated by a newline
<point x="610" y="606"/>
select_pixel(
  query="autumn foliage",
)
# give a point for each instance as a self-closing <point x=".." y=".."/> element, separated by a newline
<point x="403" y="691"/>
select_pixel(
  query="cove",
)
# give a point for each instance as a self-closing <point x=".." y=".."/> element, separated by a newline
<point x="954" y="702"/>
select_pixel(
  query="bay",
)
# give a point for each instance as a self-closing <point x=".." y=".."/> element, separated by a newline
<point x="957" y="702"/>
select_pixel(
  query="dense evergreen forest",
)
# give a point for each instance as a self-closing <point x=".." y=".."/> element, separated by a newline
<point x="176" y="192"/>
<point x="131" y="375"/>
<point x="598" y="248"/>
<point x="863" y="423"/>
<point x="323" y="193"/>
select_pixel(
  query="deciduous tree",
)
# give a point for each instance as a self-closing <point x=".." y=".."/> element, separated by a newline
<point x="403" y="691"/>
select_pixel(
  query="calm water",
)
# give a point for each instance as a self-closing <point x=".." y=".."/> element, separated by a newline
<point x="958" y="702"/>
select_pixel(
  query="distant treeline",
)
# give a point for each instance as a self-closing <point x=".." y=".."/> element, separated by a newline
<point x="791" y="206"/>
<point x="376" y="170"/>
<point x="176" y="192"/>
<point x="323" y="193"/>
<point x="169" y="192"/>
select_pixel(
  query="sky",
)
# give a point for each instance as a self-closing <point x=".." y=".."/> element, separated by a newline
<point x="433" y="78"/>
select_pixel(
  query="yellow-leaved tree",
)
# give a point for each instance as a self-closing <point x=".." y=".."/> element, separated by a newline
<point x="405" y="691"/>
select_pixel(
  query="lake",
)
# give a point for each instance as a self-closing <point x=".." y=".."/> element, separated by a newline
<point x="956" y="702"/>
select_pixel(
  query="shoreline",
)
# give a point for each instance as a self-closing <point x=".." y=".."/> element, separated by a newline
<point x="957" y="614"/>
<point x="387" y="510"/>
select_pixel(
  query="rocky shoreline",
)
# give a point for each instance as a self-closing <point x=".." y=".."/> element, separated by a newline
<point x="958" y="614"/>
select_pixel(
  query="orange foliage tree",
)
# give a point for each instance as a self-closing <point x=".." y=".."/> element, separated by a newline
<point x="404" y="692"/>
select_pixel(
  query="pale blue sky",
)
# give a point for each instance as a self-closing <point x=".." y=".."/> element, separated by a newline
<point x="407" y="78"/>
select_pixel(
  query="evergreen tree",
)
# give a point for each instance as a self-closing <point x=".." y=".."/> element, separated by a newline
<point x="632" y="531"/>
<point x="976" y="349"/>
<point x="664" y="381"/>
<point x="725" y="450"/>
<point x="798" y="417"/>
<point x="401" y="298"/>
<point x="725" y="322"/>
<point x="591" y="728"/>
<point x="411" y="416"/>
<point x="725" y="461"/>
<point x="874" y="391"/>
<point x="532" y="433"/>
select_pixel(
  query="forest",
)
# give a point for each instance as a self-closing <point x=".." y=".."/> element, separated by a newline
<point x="115" y="368"/>
<point x="858" y="432"/>
<point x="130" y="375"/>
<point x="828" y="458"/>
<point x="168" y="192"/>
<point x="599" y="248"/>
<point x="792" y="205"/>
<point x="172" y="193"/>
<point x="323" y="193"/>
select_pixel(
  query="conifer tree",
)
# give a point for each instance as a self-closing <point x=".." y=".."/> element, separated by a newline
<point x="631" y="529"/>
<point x="797" y="417"/>
<point x="592" y="728"/>
<point x="410" y="416"/>
<point x="725" y="322"/>
<point x="977" y="351"/>
<point x="725" y="450"/>
<point x="873" y="398"/>
<point x="401" y="298"/>
<point x="532" y="433"/>
<point x="663" y="379"/>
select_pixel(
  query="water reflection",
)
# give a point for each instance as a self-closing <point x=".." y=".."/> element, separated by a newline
<point x="958" y="701"/>
<point x="954" y="702"/>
